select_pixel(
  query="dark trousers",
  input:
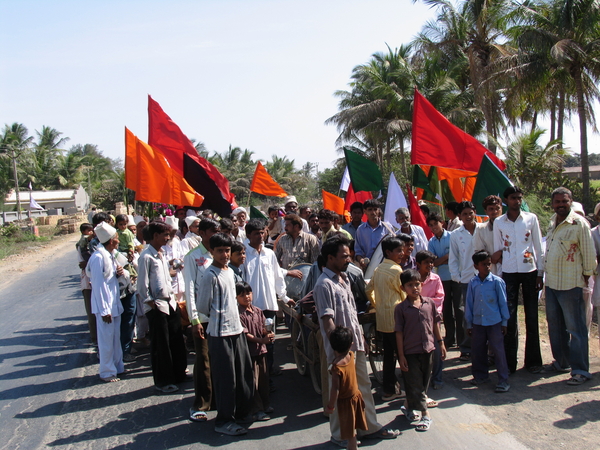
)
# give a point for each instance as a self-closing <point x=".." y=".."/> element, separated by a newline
<point x="389" y="362"/>
<point x="533" y="354"/>
<point x="91" y="318"/>
<point x="482" y="336"/>
<point x="231" y="369"/>
<point x="167" y="347"/>
<point x="452" y="315"/>
<point x="261" y="383"/>
<point x="127" y="321"/>
<point x="202" y="381"/>
<point x="271" y="347"/>
<point x="416" y="380"/>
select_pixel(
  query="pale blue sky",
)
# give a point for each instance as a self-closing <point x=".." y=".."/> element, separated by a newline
<point x="258" y="74"/>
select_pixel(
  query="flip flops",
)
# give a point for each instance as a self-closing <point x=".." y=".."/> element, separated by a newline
<point x="424" y="424"/>
<point x="409" y="414"/>
<point x="576" y="380"/>
<point x="168" y="389"/>
<point x="231" y="429"/>
<point x="198" y="416"/>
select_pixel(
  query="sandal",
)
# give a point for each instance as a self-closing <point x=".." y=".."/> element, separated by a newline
<point x="576" y="380"/>
<point x="168" y="389"/>
<point x="409" y="414"/>
<point x="431" y="403"/>
<point x="383" y="433"/>
<point x="424" y="424"/>
<point x="231" y="429"/>
<point x="110" y="379"/>
<point x="198" y="416"/>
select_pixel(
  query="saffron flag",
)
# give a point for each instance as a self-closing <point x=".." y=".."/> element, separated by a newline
<point x="333" y="202"/>
<point x="416" y="215"/>
<point x="165" y="136"/>
<point x="153" y="179"/>
<point x="395" y="199"/>
<point x="264" y="184"/>
<point x="364" y="173"/>
<point x="437" y="142"/>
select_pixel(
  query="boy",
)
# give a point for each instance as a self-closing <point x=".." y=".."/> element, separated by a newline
<point x="275" y="224"/>
<point x="417" y="330"/>
<point x="385" y="292"/>
<point x="432" y="288"/>
<point x="238" y="257"/>
<point x="87" y="233"/>
<point x="407" y="261"/>
<point x="486" y="315"/>
<point x="253" y="321"/>
<point x="126" y="237"/>
<point x="230" y="363"/>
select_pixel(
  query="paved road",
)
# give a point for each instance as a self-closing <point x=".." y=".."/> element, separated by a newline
<point x="50" y="395"/>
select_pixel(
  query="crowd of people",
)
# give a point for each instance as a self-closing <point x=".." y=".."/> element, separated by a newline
<point x="196" y="283"/>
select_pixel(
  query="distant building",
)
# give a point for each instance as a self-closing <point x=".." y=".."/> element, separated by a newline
<point x="575" y="172"/>
<point x="69" y="201"/>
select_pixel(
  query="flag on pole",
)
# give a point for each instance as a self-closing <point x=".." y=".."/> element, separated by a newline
<point x="416" y="215"/>
<point x="364" y="173"/>
<point x="32" y="203"/>
<point x="437" y="142"/>
<point x="333" y="202"/>
<point x="256" y="214"/>
<point x="264" y="184"/>
<point x="395" y="199"/>
<point x="345" y="180"/>
<point x="30" y="187"/>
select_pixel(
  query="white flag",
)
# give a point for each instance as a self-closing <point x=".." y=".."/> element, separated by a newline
<point x="345" y="181"/>
<point x="30" y="188"/>
<point x="395" y="199"/>
<point x="33" y="204"/>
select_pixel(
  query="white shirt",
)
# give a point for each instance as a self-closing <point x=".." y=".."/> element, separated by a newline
<point x="102" y="270"/>
<point x="154" y="281"/>
<point x="195" y="264"/>
<point x="521" y="242"/>
<point x="460" y="259"/>
<point x="263" y="274"/>
<point x="217" y="301"/>
<point x="419" y="237"/>
<point x="173" y="251"/>
<point x="189" y="242"/>
<point x="483" y="239"/>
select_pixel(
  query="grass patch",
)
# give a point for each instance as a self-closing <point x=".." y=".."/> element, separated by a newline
<point x="13" y="240"/>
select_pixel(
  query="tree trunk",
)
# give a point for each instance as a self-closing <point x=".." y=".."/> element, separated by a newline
<point x="585" y="166"/>
<point x="14" y="158"/>
<point x="561" y="115"/>
<point x="553" y="120"/>
<point x="534" y="121"/>
<point x="403" y="159"/>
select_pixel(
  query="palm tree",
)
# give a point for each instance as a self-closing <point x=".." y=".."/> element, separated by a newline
<point x="14" y="143"/>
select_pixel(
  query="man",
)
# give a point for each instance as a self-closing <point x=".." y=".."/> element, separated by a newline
<point x="195" y="264"/>
<point x="452" y="213"/>
<point x="91" y="214"/>
<point x="484" y="238"/>
<point x="461" y="267"/>
<point x="418" y="234"/>
<point x="291" y="207"/>
<point x="239" y="216"/>
<point x="305" y="212"/>
<point x="103" y="272"/>
<point x="370" y="233"/>
<point x="191" y="238"/>
<point x="326" y="223"/>
<point x="295" y="246"/>
<point x="439" y="245"/>
<point x="335" y="306"/>
<point x="262" y="272"/>
<point x="315" y="229"/>
<point x="518" y="240"/>
<point x="167" y="350"/>
<point x="356" y="214"/>
<point x="569" y="262"/>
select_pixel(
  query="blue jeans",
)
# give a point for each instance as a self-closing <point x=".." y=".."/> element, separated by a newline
<point x="127" y="321"/>
<point x="565" y="312"/>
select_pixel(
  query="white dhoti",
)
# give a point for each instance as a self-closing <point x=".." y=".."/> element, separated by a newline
<point x="109" y="347"/>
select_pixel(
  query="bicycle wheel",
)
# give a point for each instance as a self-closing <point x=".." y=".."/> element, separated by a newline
<point x="375" y="352"/>
<point x="299" y="346"/>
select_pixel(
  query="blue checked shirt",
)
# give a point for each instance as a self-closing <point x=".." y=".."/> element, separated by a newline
<point x="486" y="302"/>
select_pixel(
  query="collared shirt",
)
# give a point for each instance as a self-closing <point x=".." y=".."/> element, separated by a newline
<point x="253" y="322"/>
<point x="570" y="253"/>
<point x="350" y="228"/>
<point x="454" y="224"/>
<point x="238" y="275"/>
<point x="190" y="242"/>
<point x="460" y="260"/>
<point x="154" y="281"/>
<point x="520" y="242"/>
<point x="102" y="270"/>
<point x="217" y="301"/>
<point x="126" y="238"/>
<point x="419" y="238"/>
<point x="416" y="325"/>
<point x="486" y="302"/>
<point x="333" y="298"/>
<point x="333" y="230"/>
<point x="385" y="292"/>
<point x="195" y="264"/>
<point x="433" y="288"/>
<point x="441" y="247"/>
<point x="410" y="263"/>
<point x="304" y="249"/>
<point x="367" y="238"/>
<point x="173" y="251"/>
<point x="483" y="239"/>
<point x="263" y="274"/>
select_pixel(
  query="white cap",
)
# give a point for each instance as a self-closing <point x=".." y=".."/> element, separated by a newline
<point x="238" y="210"/>
<point x="138" y="219"/>
<point x="190" y="220"/>
<point x="290" y="199"/>
<point x="104" y="232"/>
<point x="130" y="220"/>
<point x="190" y="212"/>
<point x="173" y="221"/>
<point x="578" y="208"/>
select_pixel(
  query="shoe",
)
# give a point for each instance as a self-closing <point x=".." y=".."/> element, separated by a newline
<point x="552" y="368"/>
<point x="128" y="357"/>
<point x="231" y="429"/>
<point x="502" y="387"/>
<point x="168" y="389"/>
<point x="261" y="416"/>
<point x="424" y="424"/>
<point x="477" y="382"/>
<point x="576" y="380"/>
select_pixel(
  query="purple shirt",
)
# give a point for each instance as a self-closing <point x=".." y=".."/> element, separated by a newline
<point x="416" y="325"/>
<point x="253" y="321"/>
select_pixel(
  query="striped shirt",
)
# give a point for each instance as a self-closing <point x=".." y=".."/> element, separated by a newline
<point x="304" y="249"/>
<point x="385" y="292"/>
<point x="570" y="253"/>
<point x="217" y="300"/>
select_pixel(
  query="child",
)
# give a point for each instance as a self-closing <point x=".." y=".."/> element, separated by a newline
<point x="276" y="224"/>
<point x="432" y="287"/>
<point x="87" y="233"/>
<point x="230" y="363"/>
<point x="407" y="261"/>
<point x="417" y="327"/>
<point x="238" y="257"/>
<point x="486" y="315"/>
<point x="253" y="321"/>
<point x="126" y="237"/>
<point x="344" y="392"/>
<point x="385" y="292"/>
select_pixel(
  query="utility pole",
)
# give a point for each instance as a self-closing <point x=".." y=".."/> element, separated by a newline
<point x="14" y="158"/>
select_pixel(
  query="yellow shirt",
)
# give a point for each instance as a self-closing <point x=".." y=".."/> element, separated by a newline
<point x="385" y="292"/>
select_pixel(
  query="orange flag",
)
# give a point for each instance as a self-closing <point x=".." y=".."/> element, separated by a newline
<point x="264" y="184"/>
<point x="333" y="202"/>
<point x="148" y="173"/>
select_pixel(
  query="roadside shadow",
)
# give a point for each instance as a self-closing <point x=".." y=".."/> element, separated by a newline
<point x="581" y="414"/>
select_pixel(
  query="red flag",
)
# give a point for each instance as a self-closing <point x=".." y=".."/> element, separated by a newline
<point x="436" y="142"/>
<point x="416" y="215"/>
<point x="360" y="196"/>
<point x="165" y="136"/>
<point x="264" y="184"/>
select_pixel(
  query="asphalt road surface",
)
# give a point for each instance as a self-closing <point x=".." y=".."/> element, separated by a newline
<point x="51" y="396"/>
